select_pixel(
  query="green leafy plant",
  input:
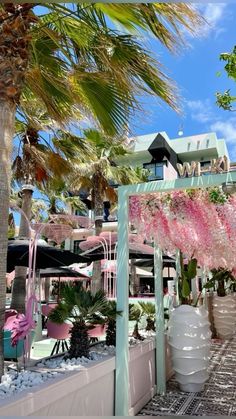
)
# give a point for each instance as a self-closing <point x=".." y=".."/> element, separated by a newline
<point x="135" y="314"/>
<point x="226" y="100"/>
<point x="188" y="272"/>
<point x="223" y="279"/>
<point x="110" y="314"/>
<point x="148" y="310"/>
<point x="84" y="310"/>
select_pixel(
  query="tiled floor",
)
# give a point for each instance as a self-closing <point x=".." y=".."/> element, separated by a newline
<point x="218" y="397"/>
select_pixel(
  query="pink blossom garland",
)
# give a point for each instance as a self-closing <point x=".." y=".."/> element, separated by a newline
<point x="189" y="221"/>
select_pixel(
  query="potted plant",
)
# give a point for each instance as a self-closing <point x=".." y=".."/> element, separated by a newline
<point x="85" y="311"/>
<point x="135" y="314"/>
<point x="224" y="303"/>
<point x="110" y="313"/>
<point x="189" y="335"/>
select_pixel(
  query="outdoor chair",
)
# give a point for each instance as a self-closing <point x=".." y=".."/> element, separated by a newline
<point x="60" y="332"/>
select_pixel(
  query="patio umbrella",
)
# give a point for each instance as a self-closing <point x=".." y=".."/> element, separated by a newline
<point x="46" y="256"/>
<point x="61" y="272"/>
<point x="136" y="251"/>
<point x="168" y="262"/>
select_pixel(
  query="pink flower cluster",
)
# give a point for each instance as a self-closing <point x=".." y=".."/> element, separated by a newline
<point x="191" y="222"/>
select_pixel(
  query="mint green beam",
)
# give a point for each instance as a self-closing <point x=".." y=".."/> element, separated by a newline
<point x="160" y="322"/>
<point x="122" y="323"/>
<point x="180" y="183"/>
<point x="122" y="349"/>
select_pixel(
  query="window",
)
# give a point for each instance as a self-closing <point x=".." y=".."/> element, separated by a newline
<point x="155" y="169"/>
<point x="189" y="145"/>
<point x="198" y="145"/>
<point x="207" y="143"/>
<point x="205" y="164"/>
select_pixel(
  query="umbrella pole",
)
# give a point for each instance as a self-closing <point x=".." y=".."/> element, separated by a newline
<point x="59" y="289"/>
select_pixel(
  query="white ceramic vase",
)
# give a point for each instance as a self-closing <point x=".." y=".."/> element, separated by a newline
<point x="189" y="339"/>
<point x="224" y="312"/>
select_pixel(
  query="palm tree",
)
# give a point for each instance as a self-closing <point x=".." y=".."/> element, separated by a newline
<point x="98" y="176"/>
<point x="135" y="314"/>
<point x="28" y="67"/>
<point x="148" y="309"/>
<point x="111" y="314"/>
<point x="39" y="161"/>
<point x="84" y="310"/>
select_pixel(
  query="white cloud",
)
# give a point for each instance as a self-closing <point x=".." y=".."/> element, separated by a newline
<point x="200" y="110"/>
<point x="227" y="130"/>
<point x="214" y="14"/>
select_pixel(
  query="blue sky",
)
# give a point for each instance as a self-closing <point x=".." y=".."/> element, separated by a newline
<point x="195" y="71"/>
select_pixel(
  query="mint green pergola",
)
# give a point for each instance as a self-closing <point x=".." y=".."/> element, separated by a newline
<point x="122" y="344"/>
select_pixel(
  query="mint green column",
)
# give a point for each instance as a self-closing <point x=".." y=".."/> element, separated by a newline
<point x="177" y="274"/>
<point x="160" y="322"/>
<point x="122" y="323"/>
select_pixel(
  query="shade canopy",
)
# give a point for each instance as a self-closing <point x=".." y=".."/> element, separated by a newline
<point x="46" y="256"/>
<point x="136" y="251"/>
<point x="62" y="272"/>
<point x="168" y="262"/>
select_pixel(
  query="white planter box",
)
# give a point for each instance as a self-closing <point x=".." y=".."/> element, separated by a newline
<point x="89" y="391"/>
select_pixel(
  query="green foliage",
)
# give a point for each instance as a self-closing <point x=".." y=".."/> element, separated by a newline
<point x="226" y="100"/>
<point x="188" y="272"/>
<point x="79" y="305"/>
<point x="11" y="226"/>
<point x="217" y="196"/>
<point x="148" y="309"/>
<point x="223" y="279"/>
<point x="135" y="313"/>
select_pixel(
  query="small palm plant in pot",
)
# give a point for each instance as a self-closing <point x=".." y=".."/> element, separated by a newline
<point x="135" y="314"/>
<point x="189" y="335"/>
<point x="85" y="311"/>
<point x="111" y="313"/>
<point x="148" y="310"/>
<point x="224" y="303"/>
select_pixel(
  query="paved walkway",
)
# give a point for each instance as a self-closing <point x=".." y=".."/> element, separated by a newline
<point x="218" y="397"/>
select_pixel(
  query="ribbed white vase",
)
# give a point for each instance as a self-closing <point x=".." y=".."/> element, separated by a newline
<point x="189" y="339"/>
<point x="224" y="312"/>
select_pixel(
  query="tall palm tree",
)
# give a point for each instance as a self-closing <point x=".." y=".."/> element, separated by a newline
<point x="98" y="176"/>
<point x="39" y="161"/>
<point x="26" y="67"/>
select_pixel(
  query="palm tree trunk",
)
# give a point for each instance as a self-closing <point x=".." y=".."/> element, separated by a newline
<point x="19" y="284"/>
<point x="7" y="123"/>
<point x="97" y="198"/>
<point x="134" y="279"/>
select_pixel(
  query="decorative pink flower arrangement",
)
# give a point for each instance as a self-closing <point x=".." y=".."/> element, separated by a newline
<point x="192" y="221"/>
